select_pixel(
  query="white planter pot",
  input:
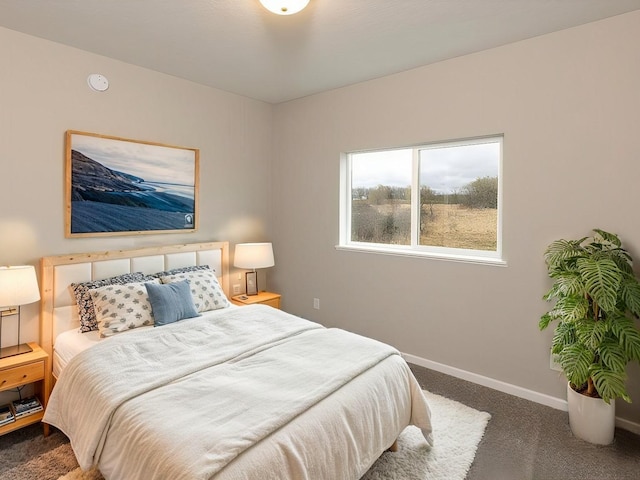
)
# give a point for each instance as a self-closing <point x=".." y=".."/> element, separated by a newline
<point x="591" y="419"/>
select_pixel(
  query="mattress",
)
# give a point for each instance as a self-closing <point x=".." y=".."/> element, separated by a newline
<point x="68" y="345"/>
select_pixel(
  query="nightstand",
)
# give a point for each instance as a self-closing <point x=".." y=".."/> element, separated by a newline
<point x="23" y="369"/>
<point x="263" y="298"/>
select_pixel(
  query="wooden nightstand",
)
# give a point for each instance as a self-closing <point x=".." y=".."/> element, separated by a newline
<point x="264" y="298"/>
<point x="32" y="367"/>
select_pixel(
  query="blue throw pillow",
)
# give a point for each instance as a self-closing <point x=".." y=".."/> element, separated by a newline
<point x="171" y="302"/>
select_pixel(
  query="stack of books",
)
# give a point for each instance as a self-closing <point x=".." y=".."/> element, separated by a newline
<point x="26" y="406"/>
<point x="6" y="415"/>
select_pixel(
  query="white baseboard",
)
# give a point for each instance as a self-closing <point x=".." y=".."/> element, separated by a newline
<point x="625" y="424"/>
<point x="537" y="397"/>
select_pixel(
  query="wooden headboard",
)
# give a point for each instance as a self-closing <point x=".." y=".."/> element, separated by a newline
<point x="58" y="272"/>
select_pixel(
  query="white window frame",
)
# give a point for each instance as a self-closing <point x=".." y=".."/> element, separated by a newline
<point x="415" y="249"/>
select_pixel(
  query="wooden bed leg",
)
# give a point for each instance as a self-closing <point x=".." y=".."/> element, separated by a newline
<point x="394" y="447"/>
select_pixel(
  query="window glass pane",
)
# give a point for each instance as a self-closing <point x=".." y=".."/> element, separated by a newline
<point x="381" y="197"/>
<point x="459" y="196"/>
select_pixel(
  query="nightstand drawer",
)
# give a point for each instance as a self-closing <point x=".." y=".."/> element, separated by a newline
<point x="16" y="376"/>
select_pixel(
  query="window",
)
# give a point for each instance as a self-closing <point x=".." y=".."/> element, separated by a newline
<point x="440" y="199"/>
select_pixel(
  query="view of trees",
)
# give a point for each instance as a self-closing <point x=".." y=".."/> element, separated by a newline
<point x="388" y="223"/>
<point x="481" y="193"/>
<point x="383" y="215"/>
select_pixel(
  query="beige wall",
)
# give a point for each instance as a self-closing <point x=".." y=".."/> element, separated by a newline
<point x="44" y="92"/>
<point x="568" y="104"/>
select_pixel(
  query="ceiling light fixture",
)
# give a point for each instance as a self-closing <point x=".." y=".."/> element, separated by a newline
<point x="284" y="7"/>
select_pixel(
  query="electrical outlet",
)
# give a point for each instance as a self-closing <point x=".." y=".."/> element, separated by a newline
<point x="316" y="303"/>
<point x="236" y="289"/>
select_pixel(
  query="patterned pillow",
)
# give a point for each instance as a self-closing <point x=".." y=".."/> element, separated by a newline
<point x="81" y="291"/>
<point x="174" y="271"/>
<point x="205" y="289"/>
<point x="122" y="307"/>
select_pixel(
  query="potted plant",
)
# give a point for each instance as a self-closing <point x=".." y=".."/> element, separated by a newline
<point x="597" y="299"/>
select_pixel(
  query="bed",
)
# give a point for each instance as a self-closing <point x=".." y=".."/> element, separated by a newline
<point x="230" y="393"/>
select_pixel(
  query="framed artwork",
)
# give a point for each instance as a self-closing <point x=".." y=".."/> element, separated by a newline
<point x="117" y="186"/>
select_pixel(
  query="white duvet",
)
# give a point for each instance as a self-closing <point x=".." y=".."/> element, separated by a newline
<point x="256" y="390"/>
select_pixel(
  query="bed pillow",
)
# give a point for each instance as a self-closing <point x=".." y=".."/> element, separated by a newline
<point x="206" y="291"/>
<point x="174" y="271"/>
<point x="171" y="302"/>
<point x="122" y="307"/>
<point x="81" y="291"/>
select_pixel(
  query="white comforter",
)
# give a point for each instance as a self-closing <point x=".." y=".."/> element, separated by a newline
<point x="196" y="399"/>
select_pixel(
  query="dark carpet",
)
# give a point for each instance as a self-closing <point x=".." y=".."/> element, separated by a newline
<point x="528" y="441"/>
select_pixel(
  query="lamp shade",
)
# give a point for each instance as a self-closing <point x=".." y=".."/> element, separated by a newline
<point x="284" y="7"/>
<point x="18" y="285"/>
<point x="254" y="255"/>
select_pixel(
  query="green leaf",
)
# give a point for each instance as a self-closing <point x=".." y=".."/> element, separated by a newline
<point x="628" y="337"/>
<point x="544" y="322"/>
<point x="562" y="250"/>
<point x="568" y="283"/>
<point x="630" y="293"/>
<point x="551" y="294"/>
<point x="570" y="309"/>
<point x="563" y="336"/>
<point x="602" y="279"/>
<point x="591" y="333"/>
<point x="576" y="361"/>
<point x="622" y="259"/>
<point x="613" y="356"/>
<point x="610" y="385"/>
<point x="609" y="237"/>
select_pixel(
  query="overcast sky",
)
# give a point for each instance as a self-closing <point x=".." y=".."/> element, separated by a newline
<point x="444" y="169"/>
<point x="153" y="163"/>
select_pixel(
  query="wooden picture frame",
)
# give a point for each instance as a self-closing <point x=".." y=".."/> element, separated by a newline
<point x="118" y="186"/>
<point x="251" y="283"/>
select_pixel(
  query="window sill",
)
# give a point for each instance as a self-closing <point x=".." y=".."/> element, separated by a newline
<point x="403" y="252"/>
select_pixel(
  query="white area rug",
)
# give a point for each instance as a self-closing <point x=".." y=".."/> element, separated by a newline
<point x="78" y="474"/>
<point x="457" y="429"/>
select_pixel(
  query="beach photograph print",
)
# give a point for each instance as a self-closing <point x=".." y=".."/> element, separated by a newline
<point x="116" y="186"/>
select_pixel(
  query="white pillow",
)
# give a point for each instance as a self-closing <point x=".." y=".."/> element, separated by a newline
<point x="206" y="291"/>
<point x="122" y="307"/>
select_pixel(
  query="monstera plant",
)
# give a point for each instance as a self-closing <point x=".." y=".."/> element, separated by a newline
<point x="597" y="302"/>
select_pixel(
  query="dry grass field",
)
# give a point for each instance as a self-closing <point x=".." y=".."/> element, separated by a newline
<point x="452" y="226"/>
<point x="455" y="226"/>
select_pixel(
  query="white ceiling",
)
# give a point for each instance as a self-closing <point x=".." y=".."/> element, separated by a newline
<point x="238" y="46"/>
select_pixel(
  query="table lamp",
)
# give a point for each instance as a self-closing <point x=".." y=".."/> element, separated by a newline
<point x="18" y="286"/>
<point x="253" y="255"/>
